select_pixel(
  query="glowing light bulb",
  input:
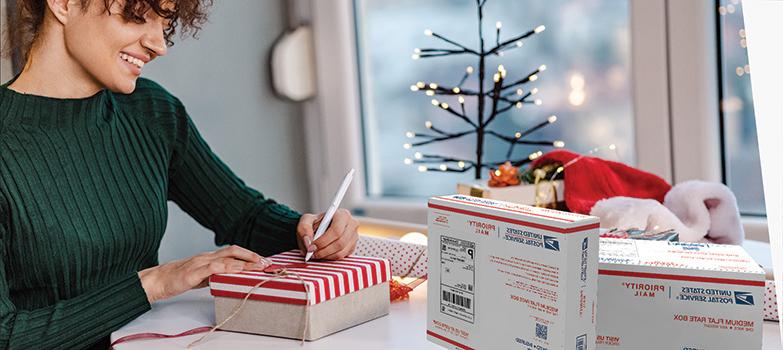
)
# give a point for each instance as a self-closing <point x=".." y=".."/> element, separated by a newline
<point x="496" y="77"/>
<point x="559" y="169"/>
<point x="498" y="25"/>
<point x="418" y="155"/>
<point x="428" y="124"/>
<point x="417" y="50"/>
<point x="443" y="167"/>
<point x="407" y="146"/>
<point x="422" y="168"/>
<point x="444" y="105"/>
<point x="542" y="68"/>
<point x="497" y="172"/>
<point x="415" y="56"/>
<point x="414" y="238"/>
<point x="612" y="147"/>
<point x="435" y="102"/>
<point x="558" y="144"/>
<point x="461" y="164"/>
<point x="433" y="86"/>
<point x="420" y="85"/>
<point x="519" y="104"/>
<point x="430" y="92"/>
<point x="534" y="91"/>
<point x="461" y="99"/>
<point x="518" y="134"/>
<point x="520" y="92"/>
<point x="414" y="88"/>
<point x="428" y="32"/>
<point x="533" y="77"/>
<point x="540" y="29"/>
<point x="469" y="70"/>
<point x="538" y="102"/>
<point x="552" y="119"/>
<point x="410" y="134"/>
<point x="408" y="161"/>
<point x="456" y="90"/>
<point x="535" y="155"/>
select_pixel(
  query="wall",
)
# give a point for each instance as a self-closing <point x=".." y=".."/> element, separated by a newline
<point x="5" y="63"/>
<point x="223" y="80"/>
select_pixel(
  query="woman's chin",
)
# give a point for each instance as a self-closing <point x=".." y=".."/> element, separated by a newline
<point x="125" y="86"/>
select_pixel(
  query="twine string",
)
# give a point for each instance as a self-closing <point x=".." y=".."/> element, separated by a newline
<point x="282" y="273"/>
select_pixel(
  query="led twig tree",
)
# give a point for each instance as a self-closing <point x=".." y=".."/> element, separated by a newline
<point x="503" y="96"/>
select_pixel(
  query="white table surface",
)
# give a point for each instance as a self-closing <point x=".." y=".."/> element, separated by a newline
<point x="403" y="328"/>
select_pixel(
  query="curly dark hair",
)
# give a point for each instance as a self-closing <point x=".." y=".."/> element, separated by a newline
<point x="24" y="24"/>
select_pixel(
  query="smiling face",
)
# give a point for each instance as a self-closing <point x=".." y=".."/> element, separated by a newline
<point x="111" y="50"/>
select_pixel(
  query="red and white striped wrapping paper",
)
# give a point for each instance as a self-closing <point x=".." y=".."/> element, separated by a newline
<point x="325" y="279"/>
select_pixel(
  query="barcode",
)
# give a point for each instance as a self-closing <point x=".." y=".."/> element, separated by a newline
<point x="457" y="299"/>
<point x="541" y="331"/>
<point x="580" y="342"/>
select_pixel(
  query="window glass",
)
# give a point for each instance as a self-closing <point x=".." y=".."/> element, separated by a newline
<point x="586" y="50"/>
<point x="741" y="152"/>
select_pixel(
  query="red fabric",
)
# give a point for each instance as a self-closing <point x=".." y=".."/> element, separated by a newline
<point x="591" y="179"/>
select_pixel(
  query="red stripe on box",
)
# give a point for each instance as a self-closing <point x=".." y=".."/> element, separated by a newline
<point x="459" y="345"/>
<point x="346" y="283"/>
<point x="365" y="275"/>
<point x="238" y="295"/>
<point x="353" y="268"/>
<point x="682" y="278"/>
<point x="517" y="222"/>
<point x="378" y="263"/>
<point x="506" y="209"/>
<point x="311" y="266"/>
<point x="296" y="286"/>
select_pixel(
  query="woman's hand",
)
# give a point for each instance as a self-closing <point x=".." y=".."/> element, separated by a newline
<point x="170" y="279"/>
<point x="337" y="242"/>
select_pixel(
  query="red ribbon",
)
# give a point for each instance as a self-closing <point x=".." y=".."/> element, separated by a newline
<point x="140" y="336"/>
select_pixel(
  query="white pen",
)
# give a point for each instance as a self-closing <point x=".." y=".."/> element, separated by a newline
<point x="338" y="197"/>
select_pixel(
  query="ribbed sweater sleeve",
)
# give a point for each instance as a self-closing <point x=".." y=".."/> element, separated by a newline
<point x="72" y="323"/>
<point x="204" y="187"/>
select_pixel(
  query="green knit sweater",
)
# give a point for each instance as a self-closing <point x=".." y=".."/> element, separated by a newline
<point x="83" y="190"/>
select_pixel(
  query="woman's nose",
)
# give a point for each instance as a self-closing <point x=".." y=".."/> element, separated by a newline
<point x="155" y="42"/>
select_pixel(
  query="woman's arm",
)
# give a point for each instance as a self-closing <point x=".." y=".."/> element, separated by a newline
<point x="204" y="187"/>
<point x="71" y="323"/>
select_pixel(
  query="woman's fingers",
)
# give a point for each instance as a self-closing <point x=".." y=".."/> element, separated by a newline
<point x="351" y="237"/>
<point x="305" y="229"/>
<point x="343" y="239"/>
<point x="237" y="252"/>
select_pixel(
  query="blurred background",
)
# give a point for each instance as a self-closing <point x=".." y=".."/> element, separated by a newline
<point x="665" y="82"/>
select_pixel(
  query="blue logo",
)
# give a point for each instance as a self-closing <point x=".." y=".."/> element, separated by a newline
<point x="743" y="298"/>
<point x="551" y="243"/>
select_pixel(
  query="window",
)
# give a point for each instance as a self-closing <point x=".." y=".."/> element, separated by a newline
<point x="586" y="83"/>
<point x="742" y="170"/>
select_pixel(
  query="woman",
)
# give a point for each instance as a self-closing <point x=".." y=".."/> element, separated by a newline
<point x="89" y="155"/>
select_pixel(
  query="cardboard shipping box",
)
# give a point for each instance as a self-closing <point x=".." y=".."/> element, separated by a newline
<point x="510" y="276"/>
<point x="673" y="295"/>
<point x="340" y="294"/>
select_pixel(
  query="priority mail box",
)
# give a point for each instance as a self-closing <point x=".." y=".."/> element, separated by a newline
<point x="675" y="295"/>
<point x="510" y="276"/>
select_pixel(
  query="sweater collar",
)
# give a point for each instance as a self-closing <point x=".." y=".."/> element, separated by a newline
<point x="51" y="111"/>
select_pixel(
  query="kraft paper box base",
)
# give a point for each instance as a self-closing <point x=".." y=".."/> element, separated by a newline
<point x="303" y="300"/>
<point x="288" y="320"/>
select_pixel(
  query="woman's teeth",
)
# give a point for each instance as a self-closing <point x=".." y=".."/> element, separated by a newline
<point x="139" y="63"/>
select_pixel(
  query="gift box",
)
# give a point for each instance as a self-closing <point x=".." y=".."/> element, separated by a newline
<point x="550" y="192"/>
<point x="510" y="276"/>
<point x="677" y="295"/>
<point x="338" y="295"/>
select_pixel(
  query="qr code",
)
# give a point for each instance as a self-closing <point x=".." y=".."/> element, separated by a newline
<point x="541" y="331"/>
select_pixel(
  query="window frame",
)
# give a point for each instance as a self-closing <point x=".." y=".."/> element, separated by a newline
<point x="674" y="89"/>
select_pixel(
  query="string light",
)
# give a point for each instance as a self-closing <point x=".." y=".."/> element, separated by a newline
<point x="422" y="168"/>
<point x="535" y="155"/>
<point x="418" y="155"/>
<point x="408" y="161"/>
<point x="558" y="144"/>
<point x="420" y="85"/>
<point x="542" y="68"/>
<point x="417" y="50"/>
<point x="461" y="164"/>
<point x="430" y="92"/>
<point x="443" y="167"/>
<point x="456" y="90"/>
<point x="435" y="102"/>
<point x="410" y="134"/>
<point x="534" y="91"/>
<point x="428" y="124"/>
<point x="461" y="99"/>
<point x="552" y="119"/>
<point x="533" y="77"/>
<point x="407" y="146"/>
<point x="498" y="25"/>
<point x="433" y="86"/>
<point x="415" y="56"/>
<point x="469" y="70"/>
<point x="444" y="105"/>
<point x="520" y="92"/>
<point x="518" y="135"/>
<point x="540" y="29"/>
<point x="428" y="32"/>
<point x="518" y="104"/>
<point x="538" y="102"/>
<point x="414" y="88"/>
<point x="519" y="44"/>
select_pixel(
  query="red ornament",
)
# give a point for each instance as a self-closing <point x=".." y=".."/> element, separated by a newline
<point x="504" y="175"/>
